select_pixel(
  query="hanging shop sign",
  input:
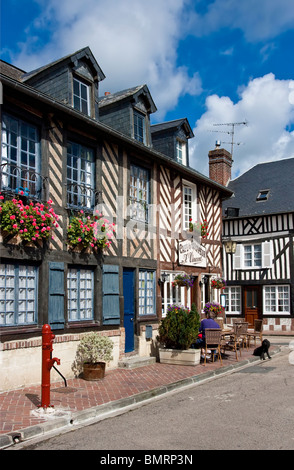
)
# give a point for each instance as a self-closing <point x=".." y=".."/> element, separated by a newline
<point x="191" y="253"/>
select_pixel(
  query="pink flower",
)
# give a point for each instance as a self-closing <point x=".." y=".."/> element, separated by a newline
<point x="12" y="217"/>
<point x="14" y="226"/>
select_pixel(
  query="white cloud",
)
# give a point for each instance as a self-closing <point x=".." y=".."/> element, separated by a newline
<point x="134" y="42"/>
<point x="259" y="20"/>
<point x="265" y="103"/>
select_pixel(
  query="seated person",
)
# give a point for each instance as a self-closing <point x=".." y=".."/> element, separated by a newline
<point x="207" y="322"/>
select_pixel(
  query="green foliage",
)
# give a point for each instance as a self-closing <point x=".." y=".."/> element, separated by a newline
<point x="90" y="231"/>
<point x="95" y="348"/>
<point x="179" y="329"/>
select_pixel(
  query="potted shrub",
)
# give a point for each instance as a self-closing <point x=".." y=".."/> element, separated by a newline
<point x="93" y="352"/>
<point x="177" y="332"/>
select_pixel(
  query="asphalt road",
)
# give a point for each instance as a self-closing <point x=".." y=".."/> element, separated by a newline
<point x="250" y="409"/>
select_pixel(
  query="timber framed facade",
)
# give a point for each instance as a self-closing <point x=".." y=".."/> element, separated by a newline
<point x="260" y="273"/>
<point x="81" y="151"/>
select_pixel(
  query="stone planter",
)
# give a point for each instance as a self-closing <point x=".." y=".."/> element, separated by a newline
<point x="185" y="357"/>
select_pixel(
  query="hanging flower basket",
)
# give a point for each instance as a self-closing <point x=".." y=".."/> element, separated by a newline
<point x="89" y="232"/>
<point x="27" y="222"/>
<point x="214" y="309"/>
<point x="183" y="280"/>
<point x="218" y="283"/>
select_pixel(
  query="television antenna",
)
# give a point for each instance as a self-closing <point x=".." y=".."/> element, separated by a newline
<point x="231" y="132"/>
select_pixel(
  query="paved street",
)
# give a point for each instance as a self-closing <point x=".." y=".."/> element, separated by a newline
<point x="250" y="409"/>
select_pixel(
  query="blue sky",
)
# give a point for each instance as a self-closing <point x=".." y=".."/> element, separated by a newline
<point x="212" y="61"/>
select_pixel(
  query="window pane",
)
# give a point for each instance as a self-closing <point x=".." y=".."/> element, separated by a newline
<point x="18" y="290"/>
<point x="80" y="288"/>
<point x="20" y="150"/>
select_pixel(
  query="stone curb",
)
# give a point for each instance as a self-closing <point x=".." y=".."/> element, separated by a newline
<point x="75" y="419"/>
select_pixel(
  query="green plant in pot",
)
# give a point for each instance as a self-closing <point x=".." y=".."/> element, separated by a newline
<point x="177" y="332"/>
<point x="93" y="352"/>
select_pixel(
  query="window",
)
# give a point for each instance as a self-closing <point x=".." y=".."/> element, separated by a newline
<point x="189" y="204"/>
<point x="139" y="193"/>
<point x="263" y="195"/>
<point x="233" y="299"/>
<point x="18" y="294"/>
<point x="276" y="299"/>
<point x="20" y="155"/>
<point x="147" y="292"/>
<point x="139" y="127"/>
<point x="80" y="289"/>
<point x="173" y="295"/>
<point x="252" y="256"/>
<point x="81" y="100"/>
<point x="181" y="152"/>
<point x="80" y="176"/>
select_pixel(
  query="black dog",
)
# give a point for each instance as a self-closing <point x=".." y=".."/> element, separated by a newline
<point x="263" y="349"/>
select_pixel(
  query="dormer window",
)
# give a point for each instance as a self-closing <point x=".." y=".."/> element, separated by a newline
<point x="263" y="195"/>
<point x="81" y="96"/>
<point x="139" y="127"/>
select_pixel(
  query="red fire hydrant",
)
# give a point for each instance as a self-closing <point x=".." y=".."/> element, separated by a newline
<point x="47" y="364"/>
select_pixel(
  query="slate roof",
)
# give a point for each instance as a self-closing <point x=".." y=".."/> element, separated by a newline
<point x="277" y="177"/>
<point x="82" y="53"/>
<point x="113" y="98"/>
<point x="175" y="124"/>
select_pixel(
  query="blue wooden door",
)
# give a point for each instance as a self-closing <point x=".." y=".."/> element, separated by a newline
<point x="129" y="308"/>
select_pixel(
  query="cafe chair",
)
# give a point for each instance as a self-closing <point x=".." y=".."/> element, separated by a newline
<point x="235" y="341"/>
<point x="243" y="334"/>
<point x="257" y="332"/>
<point x="213" y="341"/>
<point x="220" y="322"/>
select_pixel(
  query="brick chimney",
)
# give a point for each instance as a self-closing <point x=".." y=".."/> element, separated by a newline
<point x="220" y="164"/>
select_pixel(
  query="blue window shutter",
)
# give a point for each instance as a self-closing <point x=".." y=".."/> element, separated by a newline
<point x="110" y="289"/>
<point x="56" y="296"/>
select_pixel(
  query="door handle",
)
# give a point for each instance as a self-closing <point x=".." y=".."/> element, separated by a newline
<point x="132" y="319"/>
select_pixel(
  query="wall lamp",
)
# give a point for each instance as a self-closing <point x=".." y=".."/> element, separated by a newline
<point x="204" y="280"/>
<point x="163" y="278"/>
<point x="230" y="246"/>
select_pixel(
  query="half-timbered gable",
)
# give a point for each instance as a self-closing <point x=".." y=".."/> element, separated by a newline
<point x="259" y="219"/>
<point x="185" y="198"/>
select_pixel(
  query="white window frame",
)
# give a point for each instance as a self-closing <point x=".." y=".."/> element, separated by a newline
<point x="139" y="195"/>
<point x="20" y="151"/>
<point x="275" y="297"/>
<point x="233" y="297"/>
<point x="189" y="209"/>
<point x="266" y="256"/>
<point x="147" y="290"/>
<point x="80" y="291"/>
<point x="181" y="151"/>
<point x="18" y="294"/>
<point x="138" y="118"/>
<point x="78" y="97"/>
<point x="173" y="295"/>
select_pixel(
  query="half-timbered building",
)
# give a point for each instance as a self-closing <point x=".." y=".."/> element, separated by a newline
<point x="61" y="142"/>
<point x="258" y="228"/>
